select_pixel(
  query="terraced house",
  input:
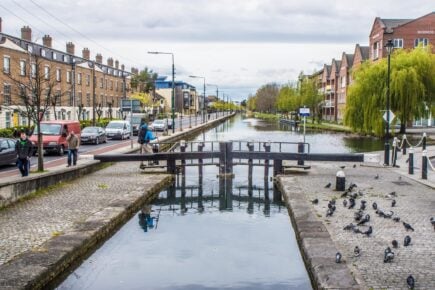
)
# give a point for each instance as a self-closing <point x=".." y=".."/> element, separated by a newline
<point x="337" y="76"/>
<point x="81" y="87"/>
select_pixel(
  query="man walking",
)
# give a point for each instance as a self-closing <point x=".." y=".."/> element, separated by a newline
<point x="73" y="146"/>
<point x="24" y="151"/>
<point x="144" y="138"/>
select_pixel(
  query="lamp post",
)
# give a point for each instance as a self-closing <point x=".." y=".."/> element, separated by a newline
<point x="217" y="94"/>
<point x="173" y="86"/>
<point x="389" y="46"/>
<point x="203" y="97"/>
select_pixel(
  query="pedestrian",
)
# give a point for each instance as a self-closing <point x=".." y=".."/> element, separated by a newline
<point x="24" y="150"/>
<point x="145" y="136"/>
<point x="73" y="146"/>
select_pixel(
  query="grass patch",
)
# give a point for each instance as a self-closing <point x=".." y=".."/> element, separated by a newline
<point x="265" y="116"/>
<point x="56" y="233"/>
<point x="103" y="186"/>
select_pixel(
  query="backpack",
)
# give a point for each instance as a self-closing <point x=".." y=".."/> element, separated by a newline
<point x="142" y="134"/>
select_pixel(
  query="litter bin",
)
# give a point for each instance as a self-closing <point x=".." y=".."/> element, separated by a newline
<point x="340" y="181"/>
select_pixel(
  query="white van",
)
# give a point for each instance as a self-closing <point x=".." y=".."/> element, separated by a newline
<point x="118" y="130"/>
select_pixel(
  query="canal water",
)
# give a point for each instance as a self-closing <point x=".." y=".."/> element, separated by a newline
<point x="199" y="235"/>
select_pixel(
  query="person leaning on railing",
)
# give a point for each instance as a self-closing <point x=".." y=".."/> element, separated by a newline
<point x="145" y="136"/>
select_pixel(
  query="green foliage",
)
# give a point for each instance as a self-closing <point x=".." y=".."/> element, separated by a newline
<point x="144" y="81"/>
<point x="100" y="123"/>
<point x="310" y="97"/>
<point x="412" y="88"/>
<point x="7" y="133"/>
<point x="288" y="99"/>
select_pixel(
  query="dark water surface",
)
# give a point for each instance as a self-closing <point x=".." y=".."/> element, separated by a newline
<point x="197" y="235"/>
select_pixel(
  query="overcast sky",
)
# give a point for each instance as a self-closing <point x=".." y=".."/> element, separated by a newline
<point x="237" y="44"/>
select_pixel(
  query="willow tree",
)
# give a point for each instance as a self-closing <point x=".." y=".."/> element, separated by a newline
<point x="412" y="88"/>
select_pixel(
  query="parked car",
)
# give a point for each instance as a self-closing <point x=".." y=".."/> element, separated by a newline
<point x="7" y="151"/>
<point x="159" y="125"/>
<point x="54" y="135"/>
<point x="136" y="121"/>
<point x="93" y="135"/>
<point x="118" y="130"/>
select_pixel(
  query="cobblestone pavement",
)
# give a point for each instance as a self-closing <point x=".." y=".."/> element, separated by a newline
<point x="30" y="223"/>
<point x="415" y="205"/>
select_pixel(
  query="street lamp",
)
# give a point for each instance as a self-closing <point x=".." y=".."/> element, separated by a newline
<point x="203" y="97"/>
<point x="389" y="47"/>
<point x="217" y="94"/>
<point x="173" y="87"/>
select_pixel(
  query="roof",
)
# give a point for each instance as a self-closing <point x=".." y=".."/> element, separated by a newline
<point x="365" y="52"/>
<point x="390" y="24"/>
<point x="349" y="59"/>
<point x="7" y="43"/>
<point x="328" y="69"/>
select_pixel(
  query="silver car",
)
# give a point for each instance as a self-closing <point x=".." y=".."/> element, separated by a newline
<point x="159" y="125"/>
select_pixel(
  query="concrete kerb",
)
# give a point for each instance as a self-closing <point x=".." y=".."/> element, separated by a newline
<point x="316" y="245"/>
<point x="37" y="268"/>
<point x="14" y="190"/>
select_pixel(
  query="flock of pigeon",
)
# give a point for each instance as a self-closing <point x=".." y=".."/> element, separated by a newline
<point x="361" y="218"/>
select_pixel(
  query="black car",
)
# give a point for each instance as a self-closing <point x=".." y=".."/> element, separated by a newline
<point x="7" y="151"/>
<point x="93" y="135"/>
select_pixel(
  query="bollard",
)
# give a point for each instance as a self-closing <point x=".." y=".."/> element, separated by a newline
<point x="394" y="152"/>
<point x="424" y="141"/>
<point x="340" y="181"/>
<point x="411" y="161"/>
<point x="301" y="149"/>
<point x="424" y="165"/>
<point x="404" y="144"/>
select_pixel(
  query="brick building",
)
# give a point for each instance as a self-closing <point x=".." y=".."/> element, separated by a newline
<point x="81" y="85"/>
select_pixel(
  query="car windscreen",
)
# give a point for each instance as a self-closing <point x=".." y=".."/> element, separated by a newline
<point x="115" y="126"/>
<point x="48" y="129"/>
<point x="136" y="120"/>
<point x="90" y="130"/>
<point x="158" y="122"/>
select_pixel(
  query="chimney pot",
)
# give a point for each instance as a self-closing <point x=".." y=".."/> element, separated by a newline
<point x="86" y="53"/>
<point x="70" y="48"/>
<point x="122" y="67"/>
<point x="47" y="40"/>
<point x="99" y="58"/>
<point x="116" y="64"/>
<point x="26" y="33"/>
<point x="110" y="62"/>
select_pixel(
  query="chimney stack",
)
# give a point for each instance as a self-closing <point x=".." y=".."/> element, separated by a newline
<point x="26" y="33"/>
<point x="47" y="40"/>
<point x="116" y="64"/>
<point x="86" y="53"/>
<point x="0" y="24"/>
<point x="122" y="67"/>
<point x="70" y="48"/>
<point x="99" y="58"/>
<point x="110" y="62"/>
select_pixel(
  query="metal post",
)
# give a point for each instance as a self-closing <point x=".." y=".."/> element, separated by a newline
<point x="394" y="152"/>
<point x="404" y="144"/>
<point x="183" y="161"/>
<point x="131" y="122"/>
<point x="424" y="165"/>
<point x="277" y="167"/>
<point x="200" y="161"/>
<point x="171" y="168"/>
<point x="301" y="149"/>
<point x="387" y="126"/>
<point x="250" y="163"/>
<point x="266" y="146"/>
<point x="73" y="88"/>
<point x="225" y="159"/>
<point x="411" y="161"/>
<point x="93" y="93"/>
<point x="173" y="94"/>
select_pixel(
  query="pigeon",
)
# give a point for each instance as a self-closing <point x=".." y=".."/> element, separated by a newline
<point x="432" y="221"/>
<point x="369" y="231"/>
<point x="344" y="202"/>
<point x="377" y="176"/>
<point x="329" y="212"/>
<point x="375" y="206"/>
<point x="342" y="167"/>
<point x="363" y="206"/>
<point x="352" y="186"/>
<point x="351" y="203"/>
<point x="360" y="192"/>
<point x="364" y="220"/>
<point x="315" y="201"/>
<point x="393" y="193"/>
<point x="354" y="166"/>
<point x="388" y="255"/>
<point x="358" y="215"/>
<point x="395" y="244"/>
<point x="393" y="203"/>
<point x="410" y="281"/>
<point x="357" y="251"/>
<point x="408" y="226"/>
<point x="349" y="227"/>
<point x="396" y="219"/>
<point x="328" y="185"/>
<point x="344" y="194"/>
<point x="338" y="257"/>
<point x="357" y="230"/>
<point x="389" y="214"/>
<point x="407" y="241"/>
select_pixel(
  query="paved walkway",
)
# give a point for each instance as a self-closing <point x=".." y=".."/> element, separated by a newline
<point x="415" y="205"/>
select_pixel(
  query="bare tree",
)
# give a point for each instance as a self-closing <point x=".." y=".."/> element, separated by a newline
<point x="36" y="94"/>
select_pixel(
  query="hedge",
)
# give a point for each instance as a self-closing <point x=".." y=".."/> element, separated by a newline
<point x="101" y="123"/>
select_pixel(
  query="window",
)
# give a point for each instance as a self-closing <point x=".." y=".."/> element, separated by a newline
<point x="47" y="72"/>
<point x="102" y="100"/>
<point x="375" y="50"/>
<point x="398" y="43"/>
<point x="88" y="80"/>
<point x="71" y="99"/>
<point x="22" y="91"/>
<point x="423" y="41"/>
<point x="6" y="65"/>
<point x="33" y="70"/>
<point x="68" y="76"/>
<point x="343" y="82"/>
<point x="79" y="98"/>
<point x="111" y="85"/>
<point x="8" y="119"/>
<point x="116" y="85"/>
<point x="79" y="78"/>
<point x="22" y="67"/>
<point x="106" y="84"/>
<point x="65" y="58"/>
<point x="88" y="100"/>
<point x="42" y="52"/>
<point x="7" y="94"/>
<point x="29" y="48"/>
<point x="58" y="75"/>
<point x="53" y="55"/>
<point x="58" y="98"/>
<point x="101" y="82"/>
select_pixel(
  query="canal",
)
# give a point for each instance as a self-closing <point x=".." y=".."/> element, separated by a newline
<point x="195" y="236"/>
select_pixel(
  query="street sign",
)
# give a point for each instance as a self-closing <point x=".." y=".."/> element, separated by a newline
<point x="131" y="105"/>
<point x="392" y="116"/>
<point x="304" y="112"/>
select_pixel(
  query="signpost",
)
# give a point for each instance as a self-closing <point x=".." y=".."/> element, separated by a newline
<point x="392" y="116"/>
<point x="304" y="112"/>
<point x="132" y="106"/>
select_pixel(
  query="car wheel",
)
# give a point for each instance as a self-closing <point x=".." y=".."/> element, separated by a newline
<point x="61" y="150"/>
<point x="97" y="141"/>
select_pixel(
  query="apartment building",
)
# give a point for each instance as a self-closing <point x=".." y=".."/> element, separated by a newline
<point x="82" y="87"/>
<point x="186" y="98"/>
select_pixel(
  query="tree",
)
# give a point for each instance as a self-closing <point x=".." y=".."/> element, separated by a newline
<point x="144" y="82"/>
<point x="266" y="97"/>
<point x="310" y="96"/>
<point x="36" y="94"/>
<point x="412" y="88"/>
<point x="288" y="99"/>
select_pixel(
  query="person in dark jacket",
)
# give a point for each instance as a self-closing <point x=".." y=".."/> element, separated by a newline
<point x="24" y="151"/>
<point x="144" y="138"/>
